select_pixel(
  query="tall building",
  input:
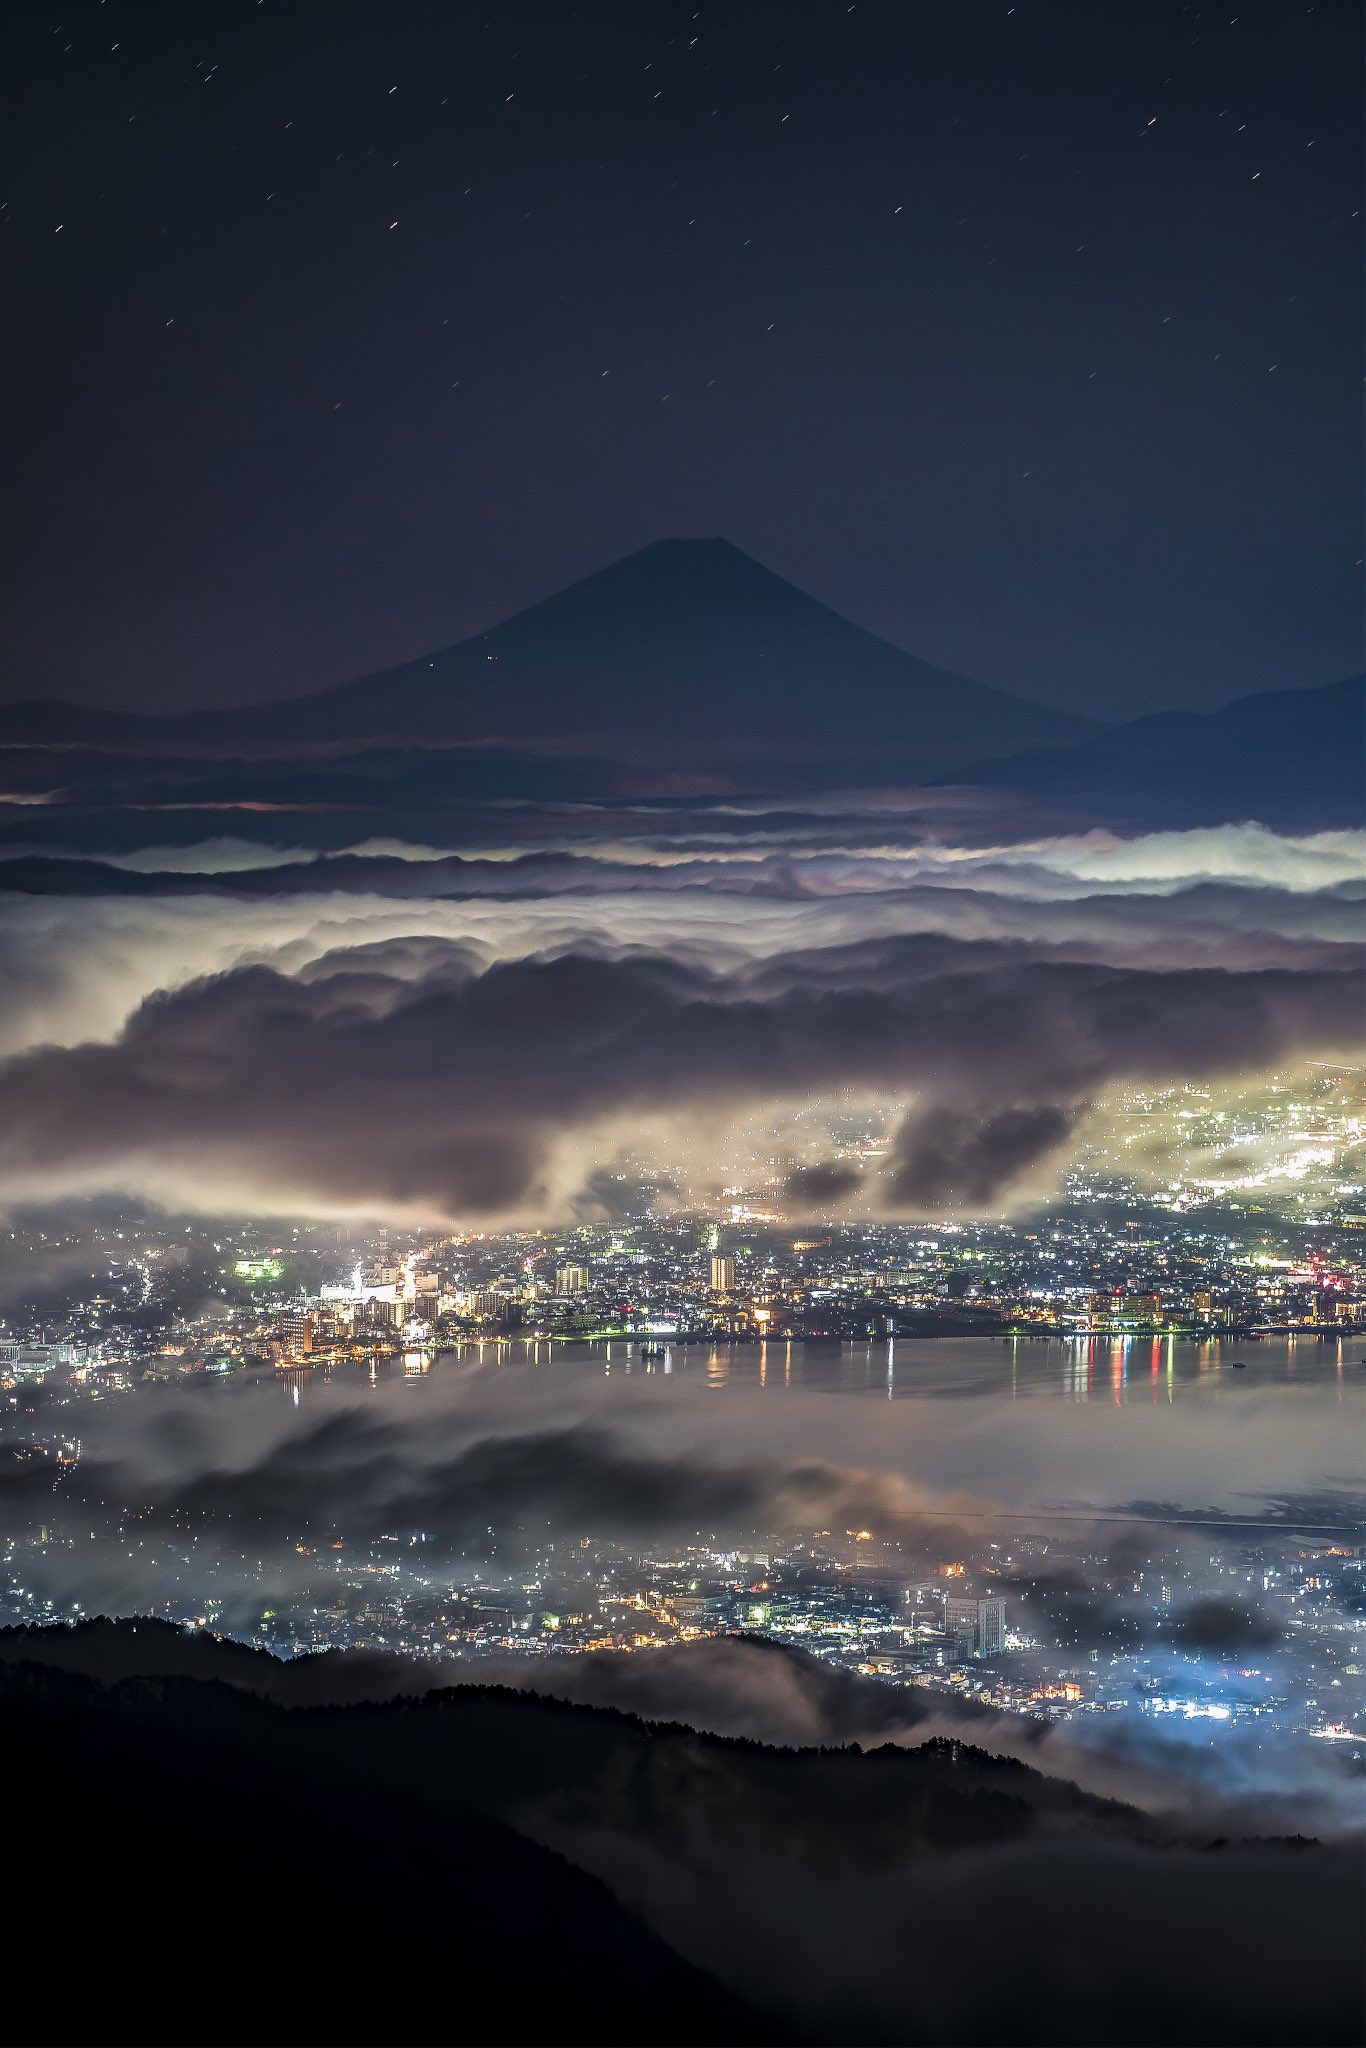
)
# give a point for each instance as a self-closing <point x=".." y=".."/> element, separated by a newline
<point x="722" y="1273"/>
<point x="571" y="1279"/>
<point x="376" y="1312"/>
<point x="991" y="1627"/>
<point x="960" y="1622"/>
<point x="977" y="1628"/>
<point x="1209" y="1308"/>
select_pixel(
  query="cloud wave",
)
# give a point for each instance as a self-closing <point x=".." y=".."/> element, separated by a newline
<point x="410" y="1074"/>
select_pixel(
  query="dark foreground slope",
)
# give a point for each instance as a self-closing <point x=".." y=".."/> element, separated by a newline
<point x="221" y="1866"/>
<point x="187" y="1867"/>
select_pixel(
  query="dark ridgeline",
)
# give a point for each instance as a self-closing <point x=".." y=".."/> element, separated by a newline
<point x="194" y="1857"/>
<point x="192" y="1864"/>
<point x="1289" y="758"/>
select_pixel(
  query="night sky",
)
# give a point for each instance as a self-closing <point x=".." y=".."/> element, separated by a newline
<point x="1026" y="335"/>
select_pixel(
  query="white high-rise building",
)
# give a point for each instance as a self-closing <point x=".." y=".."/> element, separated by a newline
<point x="991" y="1627"/>
<point x="976" y="1627"/>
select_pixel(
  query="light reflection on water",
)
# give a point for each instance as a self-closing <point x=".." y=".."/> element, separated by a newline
<point x="1233" y="1427"/>
<point x="1117" y="1371"/>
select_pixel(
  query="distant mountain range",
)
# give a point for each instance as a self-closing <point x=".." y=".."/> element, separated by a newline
<point x="689" y="669"/>
<point x="687" y="657"/>
<point x="1291" y="758"/>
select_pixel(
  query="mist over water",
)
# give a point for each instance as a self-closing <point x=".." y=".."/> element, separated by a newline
<point x="1011" y="1423"/>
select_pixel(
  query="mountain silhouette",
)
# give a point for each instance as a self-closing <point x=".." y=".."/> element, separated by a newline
<point x="687" y="655"/>
<point x="687" y="668"/>
<point x="224" y="1856"/>
<point x="511" y="1868"/>
<point x="1289" y="758"/>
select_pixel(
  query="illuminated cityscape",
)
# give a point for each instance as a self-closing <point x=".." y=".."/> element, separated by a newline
<point x="683" y="1024"/>
<point x="1116" y="1295"/>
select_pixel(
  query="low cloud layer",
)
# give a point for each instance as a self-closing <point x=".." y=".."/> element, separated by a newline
<point x="468" y="1026"/>
<point x="407" y="1074"/>
<point x="356" y="1473"/>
